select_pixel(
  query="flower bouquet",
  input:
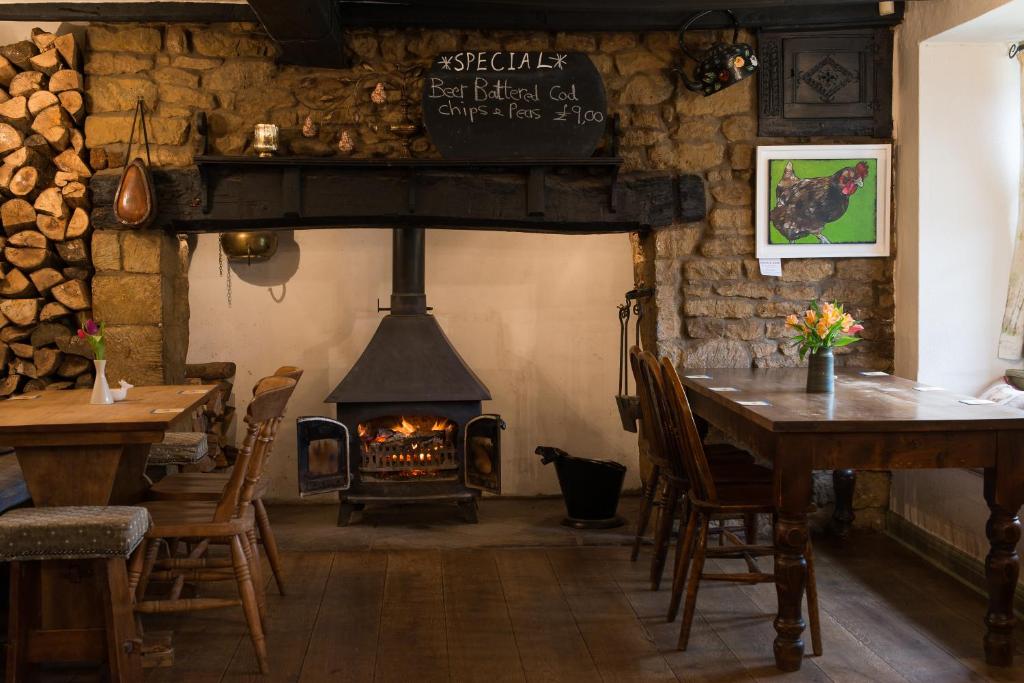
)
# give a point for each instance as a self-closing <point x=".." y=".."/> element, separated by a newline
<point x="92" y="332"/>
<point x="823" y="327"/>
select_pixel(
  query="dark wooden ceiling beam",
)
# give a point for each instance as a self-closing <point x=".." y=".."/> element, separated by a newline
<point x="611" y="15"/>
<point x="120" y="12"/>
<point x="308" y="31"/>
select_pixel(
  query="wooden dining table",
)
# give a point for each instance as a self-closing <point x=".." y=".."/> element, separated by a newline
<point x="872" y="421"/>
<point x="75" y="453"/>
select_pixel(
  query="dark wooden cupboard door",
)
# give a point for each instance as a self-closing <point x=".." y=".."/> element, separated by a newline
<point x="831" y="83"/>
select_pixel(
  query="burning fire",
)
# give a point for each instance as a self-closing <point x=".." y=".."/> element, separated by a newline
<point x="404" y="426"/>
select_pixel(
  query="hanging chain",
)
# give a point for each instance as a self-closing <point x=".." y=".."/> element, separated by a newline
<point x="220" y="268"/>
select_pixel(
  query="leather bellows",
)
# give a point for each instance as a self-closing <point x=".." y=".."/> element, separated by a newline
<point x="135" y="200"/>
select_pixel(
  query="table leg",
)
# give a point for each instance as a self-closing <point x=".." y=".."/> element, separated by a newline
<point x="793" y="498"/>
<point x="1003" y="493"/>
<point x="844" y="482"/>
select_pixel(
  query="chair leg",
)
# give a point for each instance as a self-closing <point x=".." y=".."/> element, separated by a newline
<point x="682" y="564"/>
<point x="24" y="607"/>
<point x="124" y="646"/>
<point x="663" y="534"/>
<point x="252" y="555"/>
<point x="645" y="511"/>
<point x="247" y="592"/>
<point x="152" y="550"/>
<point x="269" y="543"/>
<point x="135" y="565"/>
<point x="694" y="583"/>
<point x="812" y="603"/>
<point x="750" y="528"/>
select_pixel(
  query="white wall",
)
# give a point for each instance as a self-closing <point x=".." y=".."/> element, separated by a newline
<point x="959" y="151"/>
<point x="533" y="315"/>
<point x="969" y="178"/>
<point x="923" y="21"/>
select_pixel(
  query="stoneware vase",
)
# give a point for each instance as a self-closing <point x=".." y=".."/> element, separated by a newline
<point x="100" y="388"/>
<point x="821" y="375"/>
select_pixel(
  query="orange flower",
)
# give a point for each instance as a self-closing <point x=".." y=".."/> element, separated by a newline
<point x="822" y="328"/>
<point x="793" y="321"/>
<point x="810" y="317"/>
<point x="847" y="322"/>
<point x="831" y="314"/>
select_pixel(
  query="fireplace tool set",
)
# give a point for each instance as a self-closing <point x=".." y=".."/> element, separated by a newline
<point x="635" y="301"/>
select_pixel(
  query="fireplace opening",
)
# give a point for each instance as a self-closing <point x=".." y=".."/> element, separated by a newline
<point x="410" y="426"/>
<point x="408" y="447"/>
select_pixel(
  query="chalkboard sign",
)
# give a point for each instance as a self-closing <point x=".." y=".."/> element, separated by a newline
<point x="514" y="105"/>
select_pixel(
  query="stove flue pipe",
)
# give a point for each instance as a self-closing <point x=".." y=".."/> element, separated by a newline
<point x="408" y="291"/>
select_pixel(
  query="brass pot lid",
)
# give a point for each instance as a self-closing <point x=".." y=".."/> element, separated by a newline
<point x="249" y="247"/>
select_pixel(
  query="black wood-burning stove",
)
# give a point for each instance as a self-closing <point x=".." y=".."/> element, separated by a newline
<point x="410" y="426"/>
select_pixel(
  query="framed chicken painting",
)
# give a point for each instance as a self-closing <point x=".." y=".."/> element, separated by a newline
<point x="816" y="201"/>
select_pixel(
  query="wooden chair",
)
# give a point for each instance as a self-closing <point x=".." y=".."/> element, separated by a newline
<point x="201" y="486"/>
<point x="230" y="519"/>
<point x="668" y="475"/>
<point x="710" y="500"/>
<point x="101" y="536"/>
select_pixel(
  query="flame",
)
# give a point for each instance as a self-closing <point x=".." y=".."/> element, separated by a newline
<point x="405" y="426"/>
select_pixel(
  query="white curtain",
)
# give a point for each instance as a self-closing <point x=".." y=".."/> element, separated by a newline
<point x="1011" y="338"/>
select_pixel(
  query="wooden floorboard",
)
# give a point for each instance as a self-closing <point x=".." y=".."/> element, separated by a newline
<point x="343" y="645"/>
<point x="204" y="642"/>
<point x="290" y="621"/>
<point x="707" y="660"/>
<point x="885" y="630"/>
<point x="620" y="646"/>
<point x="920" y="603"/>
<point x="848" y="660"/>
<point x="551" y="646"/>
<point x="580" y="614"/>
<point x="412" y="643"/>
<point x="481" y="644"/>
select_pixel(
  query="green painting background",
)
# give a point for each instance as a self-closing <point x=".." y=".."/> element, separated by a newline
<point x="857" y="226"/>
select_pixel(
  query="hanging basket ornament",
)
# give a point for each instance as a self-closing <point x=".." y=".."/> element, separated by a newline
<point x="724" y="64"/>
<point x="379" y="96"/>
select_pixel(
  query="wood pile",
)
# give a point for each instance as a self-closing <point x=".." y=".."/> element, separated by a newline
<point x="216" y="417"/>
<point x="45" y="268"/>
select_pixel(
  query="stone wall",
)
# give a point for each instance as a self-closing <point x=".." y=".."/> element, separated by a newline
<point x="713" y="307"/>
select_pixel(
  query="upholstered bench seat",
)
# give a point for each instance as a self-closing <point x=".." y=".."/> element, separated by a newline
<point x="71" y="533"/>
<point x="13" y="489"/>
<point x="179" y="448"/>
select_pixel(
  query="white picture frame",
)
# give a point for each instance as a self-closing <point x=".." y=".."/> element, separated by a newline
<point x="772" y="243"/>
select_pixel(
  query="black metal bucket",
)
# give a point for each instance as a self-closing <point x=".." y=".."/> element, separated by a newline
<point x="591" y="488"/>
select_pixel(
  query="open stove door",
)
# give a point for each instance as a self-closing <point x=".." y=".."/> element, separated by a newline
<point x="482" y="449"/>
<point x="324" y="461"/>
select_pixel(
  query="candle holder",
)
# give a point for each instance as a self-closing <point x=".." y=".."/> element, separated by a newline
<point x="265" y="139"/>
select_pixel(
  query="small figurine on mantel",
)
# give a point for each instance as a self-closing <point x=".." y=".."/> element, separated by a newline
<point x="310" y="128"/>
<point x="345" y="143"/>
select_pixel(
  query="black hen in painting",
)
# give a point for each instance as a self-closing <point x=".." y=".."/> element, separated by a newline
<point x="804" y="206"/>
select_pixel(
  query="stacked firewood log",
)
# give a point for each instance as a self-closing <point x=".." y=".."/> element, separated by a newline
<point x="216" y="417"/>
<point x="45" y="267"/>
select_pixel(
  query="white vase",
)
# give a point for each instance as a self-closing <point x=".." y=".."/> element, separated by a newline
<point x="100" y="388"/>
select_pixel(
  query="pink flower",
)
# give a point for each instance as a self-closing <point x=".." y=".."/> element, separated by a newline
<point x="91" y="328"/>
<point x="855" y="329"/>
<point x="81" y="333"/>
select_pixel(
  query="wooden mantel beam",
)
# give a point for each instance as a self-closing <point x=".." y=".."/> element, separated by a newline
<point x="310" y="27"/>
<point x="225" y="194"/>
<point x="612" y="15"/>
<point x="124" y="12"/>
